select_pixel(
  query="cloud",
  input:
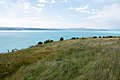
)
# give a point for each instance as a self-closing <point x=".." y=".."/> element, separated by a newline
<point x="23" y="5"/>
<point x="109" y="16"/>
<point x="58" y="16"/>
<point x="46" y="1"/>
<point x="28" y="22"/>
<point x="1" y="2"/>
<point x="65" y="0"/>
<point x="81" y="9"/>
<point x="27" y="7"/>
<point x="104" y="1"/>
<point x="108" y="12"/>
<point x="52" y="1"/>
<point x="29" y="13"/>
<point x="84" y="9"/>
<point x="42" y="1"/>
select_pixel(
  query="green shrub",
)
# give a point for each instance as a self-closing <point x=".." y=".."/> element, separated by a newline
<point x="48" y="41"/>
<point x="61" y="39"/>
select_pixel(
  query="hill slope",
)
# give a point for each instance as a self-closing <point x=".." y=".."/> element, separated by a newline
<point x="80" y="59"/>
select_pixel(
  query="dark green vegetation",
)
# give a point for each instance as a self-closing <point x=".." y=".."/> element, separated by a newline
<point x="48" y="41"/>
<point x="77" y="59"/>
<point x="61" y="39"/>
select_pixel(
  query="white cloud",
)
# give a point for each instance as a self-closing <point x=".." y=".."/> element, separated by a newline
<point x="1" y="2"/>
<point x="42" y="1"/>
<point x="98" y="1"/>
<point x="84" y="9"/>
<point x="108" y="12"/>
<point x="104" y="1"/>
<point x="27" y="7"/>
<point x="81" y="9"/>
<point x="26" y="22"/>
<point x="46" y="1"/>
<point x="40" y="5"/>
<point x="65" y="0"/>
<point x="23" y="4"/>
<point x="58" y="16"/>
<point x="52" y="1"/>
<point x="43" y="23"/>
<point x="109" y="16"/>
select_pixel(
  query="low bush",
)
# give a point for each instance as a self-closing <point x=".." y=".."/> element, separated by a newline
<point x="48" y="41"/>
<point x="40" y="42"/>
<point x="94" y="36"/>
<point x="100" y="37"/>
<point x="61" y="39"/>
<point x="74" y="38"/>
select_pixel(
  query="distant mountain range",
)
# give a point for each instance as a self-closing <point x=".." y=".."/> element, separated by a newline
<point x="16" y="28"/>
<point x="88" y="29"/>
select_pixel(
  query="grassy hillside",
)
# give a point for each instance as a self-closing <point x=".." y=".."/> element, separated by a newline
<point x="80" y="59"/>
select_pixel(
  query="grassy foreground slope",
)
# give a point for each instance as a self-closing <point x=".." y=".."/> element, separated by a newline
<point x="80" y="59"/>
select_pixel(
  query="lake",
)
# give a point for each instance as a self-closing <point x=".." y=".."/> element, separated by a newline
<point x="24" y="39"/>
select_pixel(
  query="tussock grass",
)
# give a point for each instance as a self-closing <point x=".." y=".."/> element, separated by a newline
<point x="79" y="59"/>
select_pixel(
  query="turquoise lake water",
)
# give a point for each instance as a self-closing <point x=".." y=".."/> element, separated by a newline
<point x="23" y="39"/>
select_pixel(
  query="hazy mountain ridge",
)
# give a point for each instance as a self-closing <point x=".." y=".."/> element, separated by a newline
<point x="22" y="28"/>
<point x="16" y="28"/>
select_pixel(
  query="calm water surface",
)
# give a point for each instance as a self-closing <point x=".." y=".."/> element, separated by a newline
<point x="23" y="39"/>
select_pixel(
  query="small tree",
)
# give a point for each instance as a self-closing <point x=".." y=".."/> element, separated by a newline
<point x="40" y="42"/>
<point x="61" y="39"/>
<point x="48" y="41"/>
<point x="83" y="38"/>
<point x="95" y="37"/>
<point x="73" y="38"/>
<point x="103" y="36"/>
<point x="99" y="36"/>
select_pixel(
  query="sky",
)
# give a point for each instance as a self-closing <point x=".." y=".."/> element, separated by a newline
<point x="95" y="14"/>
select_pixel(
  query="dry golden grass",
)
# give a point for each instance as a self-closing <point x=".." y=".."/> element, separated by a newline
<point x="79" y="59"/>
